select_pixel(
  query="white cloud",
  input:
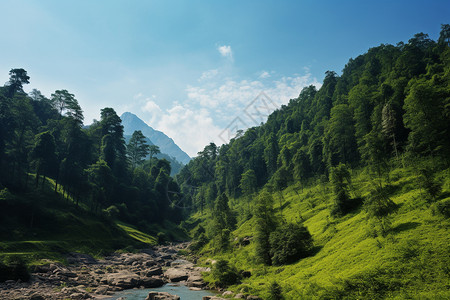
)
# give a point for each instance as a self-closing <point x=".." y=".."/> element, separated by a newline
<point x="153" y="108"/>
<point x="225" y="51"/>
<point x="209" y="74"/>
<point x="264" y="74"/>
<point x="191" y="129"/>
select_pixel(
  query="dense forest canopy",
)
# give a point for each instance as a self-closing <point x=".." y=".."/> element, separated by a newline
<point x="44" y="138"/>
<point x="390" y="105"/>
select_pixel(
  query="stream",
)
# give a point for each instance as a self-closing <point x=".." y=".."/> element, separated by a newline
<point x="175" y="289"/>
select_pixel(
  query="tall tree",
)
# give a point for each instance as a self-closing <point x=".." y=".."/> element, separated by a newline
<point x="17" y="78"/>
<point x="137" y="148"/>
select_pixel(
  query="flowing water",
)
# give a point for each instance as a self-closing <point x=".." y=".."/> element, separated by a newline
<point x="180" y="290"/>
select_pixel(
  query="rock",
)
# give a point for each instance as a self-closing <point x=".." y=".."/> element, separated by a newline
<point x="79" y="258"/>
<point x="124" y="280"/>
<point x="212" y="298"/>
<point x="37" y="297"/>
<point x="152" y="271"/>
<point x="240" y="296"/>
<point x="102" y="290"/>
<point x="251" y="297"/>
<point x="227" y="293"/>
<point x="77" y="296"/>
<point x="195" y="289"/>
<point x="66" y="273"/>
<point x="152" y="282"/>
<point x="176" y="275"/>
<point x="161" y="296"/>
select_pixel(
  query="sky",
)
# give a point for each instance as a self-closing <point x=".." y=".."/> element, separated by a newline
<point x="197" y="70"/>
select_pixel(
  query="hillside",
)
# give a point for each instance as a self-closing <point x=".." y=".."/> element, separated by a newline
<point x="131" y="123"/>
<point x="343" y="193"/>
<point x="351" y="258"/>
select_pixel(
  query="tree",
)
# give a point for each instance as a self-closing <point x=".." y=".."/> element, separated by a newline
<point x="62" y="99"/>
<point x="265" y="224"/>
<point x="290" y="242"/>
<point x="425" y="115"/>
<point x="339" y="140"/>
<point x="248" y="184"/>
<point x="43" y="153"/>
<point x="153" y="150"/>
<point x="223" y="221"/>
<point x="17" y="78"/>
<point x="101" y="180"/>
<point x="275" y="291"/>
<point x="137" y="148"/>
<point x="341" y="181"/>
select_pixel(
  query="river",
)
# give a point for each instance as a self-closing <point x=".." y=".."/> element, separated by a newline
<point x="180" y="290"/>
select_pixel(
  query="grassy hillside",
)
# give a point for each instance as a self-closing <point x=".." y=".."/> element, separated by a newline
<point x="43" y="224"/>
<point x="352" y="259"/>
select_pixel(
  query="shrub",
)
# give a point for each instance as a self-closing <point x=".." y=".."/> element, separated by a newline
<point x="275" y="292"/>
<point x="14" y="268"/>
<point x="442" y="208"/>
<point x="162" y="238"/>
<point x="201" y="241"/>
<point x="224" y="274"/>
<point x="289" y="243"/>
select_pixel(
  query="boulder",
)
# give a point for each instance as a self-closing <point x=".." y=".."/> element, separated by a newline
<point x="152" y="282"/>
<point x="161" y="296"/>
<point x="152" y="271"/>
<point x="176" y="275"/>
<point x="124" y="280"/>
<point x="239" y="296"/>
<point x="227" y="293"/>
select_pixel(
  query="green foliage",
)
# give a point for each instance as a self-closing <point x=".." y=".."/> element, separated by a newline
<point x="224" y="274"/>
<point x="275" y="291"/>
<point x="289" y="243"/>
<point x="442" y="207"/>
<point x="428" y="184"/>
<point x="13" y="268"/>
<point x="341" y="180"/>
<point x="265" y="224"/>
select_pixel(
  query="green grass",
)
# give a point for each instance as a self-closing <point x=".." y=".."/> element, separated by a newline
<point x="42" y="225"/>
<point x="353" y="260"/>
<point x="138" y="235"/>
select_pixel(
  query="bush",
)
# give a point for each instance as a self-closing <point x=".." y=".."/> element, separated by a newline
<point x="442" y="208"/>
<point x="162" y="238"/>
<point x="289" y="243"/>
<point x="201" y="241"/>
<point x="14" y="268"/>
<point x="275" y="292"/>
<point x="224" y="274"/>
<point x="427" y="182"/>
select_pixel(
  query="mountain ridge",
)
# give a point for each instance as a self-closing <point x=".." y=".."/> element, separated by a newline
<point x="131" y="122"/>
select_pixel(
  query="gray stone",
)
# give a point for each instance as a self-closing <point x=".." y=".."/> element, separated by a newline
<point x="175" y="275"/>
<point x="152" y="282"/>
<point x="161" y="296"/>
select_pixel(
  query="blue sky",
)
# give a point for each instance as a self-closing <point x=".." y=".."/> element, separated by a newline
<point x="191" y="68"/>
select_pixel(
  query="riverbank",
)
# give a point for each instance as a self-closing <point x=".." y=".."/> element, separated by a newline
<point x="84" y="277"/>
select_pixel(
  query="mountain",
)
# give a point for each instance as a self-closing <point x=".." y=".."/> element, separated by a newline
<point x="175" y="165"/>
<point x="132" y="122"/>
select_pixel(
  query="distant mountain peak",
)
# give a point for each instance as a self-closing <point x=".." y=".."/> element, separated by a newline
<point x="131" y="123"/>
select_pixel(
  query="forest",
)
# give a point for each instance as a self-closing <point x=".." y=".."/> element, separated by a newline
<point x="357" y="168"/>
<point x="43" y="142"/>
<point x="367" y="148"/>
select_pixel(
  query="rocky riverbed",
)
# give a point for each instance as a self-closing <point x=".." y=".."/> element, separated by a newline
<point x="87" y="278"/>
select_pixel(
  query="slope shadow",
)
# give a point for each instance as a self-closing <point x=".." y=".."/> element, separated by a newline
<point x="406" y="226"/>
